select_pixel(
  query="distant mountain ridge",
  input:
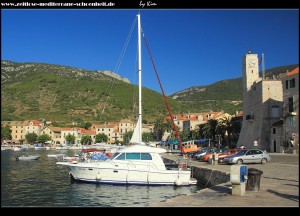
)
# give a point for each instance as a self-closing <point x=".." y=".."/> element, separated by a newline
<point x="62" y="93"/>
<point x="11" y="67"/>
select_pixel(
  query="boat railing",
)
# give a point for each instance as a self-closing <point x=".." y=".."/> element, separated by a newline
<point x="132" y="164"/>
<point x="152" y="165"/>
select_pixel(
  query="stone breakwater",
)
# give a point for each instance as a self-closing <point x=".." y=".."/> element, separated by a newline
<point x="206" y="177"/>
<point x="209" y="177"/>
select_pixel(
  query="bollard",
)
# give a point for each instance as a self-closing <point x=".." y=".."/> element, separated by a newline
<point x="215" y="158"/>
<point x="210" y="160"/>
<point x="253" y="182"/>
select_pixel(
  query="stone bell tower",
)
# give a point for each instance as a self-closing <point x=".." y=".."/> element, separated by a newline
<point x="250" y="77"/>
<point x="261" y="99"/>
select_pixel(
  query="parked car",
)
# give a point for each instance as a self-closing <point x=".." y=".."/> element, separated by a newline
<point x="193" y="155"/>
<point x="225" y="154"/>
<point x="189" y="148"/>
<point x="200" y="152"/>
<point x="248" y="156"/>
<point x="208" y="151"/>
<point x="209" y="155"/>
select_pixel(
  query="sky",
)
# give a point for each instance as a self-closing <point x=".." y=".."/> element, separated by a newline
<point x="190" y="47"/>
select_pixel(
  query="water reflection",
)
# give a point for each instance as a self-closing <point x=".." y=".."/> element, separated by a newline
<point x="42" y="183"/>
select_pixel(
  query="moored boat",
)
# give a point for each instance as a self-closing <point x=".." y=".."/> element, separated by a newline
<point x="28" y="157"/>
<point x="137" y="164"/>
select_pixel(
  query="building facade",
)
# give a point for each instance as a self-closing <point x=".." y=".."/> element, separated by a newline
<point x="290" y="125"/>
<point x="263" y="108"/>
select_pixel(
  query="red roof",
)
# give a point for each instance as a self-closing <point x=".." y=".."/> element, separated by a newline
<point x="293" y="72"/>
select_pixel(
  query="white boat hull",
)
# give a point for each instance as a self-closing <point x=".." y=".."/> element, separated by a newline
<point x="19" y="149"/>
<point x="56" y="155"/>
<point x="32" y="157"/>
<point x="108" y="172"/>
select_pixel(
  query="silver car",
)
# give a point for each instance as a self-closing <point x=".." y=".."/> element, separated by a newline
<point x="248" y="156"/>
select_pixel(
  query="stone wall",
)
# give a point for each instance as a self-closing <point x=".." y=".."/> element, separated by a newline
<point x="209" y="177"/>
<point x="206" y="177"/>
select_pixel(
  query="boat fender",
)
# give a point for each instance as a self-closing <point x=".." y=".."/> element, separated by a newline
<point x="98" y="176"/>
<point x="178" y="182"/>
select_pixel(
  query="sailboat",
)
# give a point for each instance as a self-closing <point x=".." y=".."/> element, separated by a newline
<point x="137" y="164"/>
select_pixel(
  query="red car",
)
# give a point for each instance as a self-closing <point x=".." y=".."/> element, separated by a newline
<point x="225" y="154"/>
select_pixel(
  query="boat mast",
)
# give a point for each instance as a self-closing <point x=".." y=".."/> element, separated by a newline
<point x="140" y="78"/>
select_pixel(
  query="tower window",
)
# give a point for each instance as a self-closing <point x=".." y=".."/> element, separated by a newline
<point x="291" y="104"/>
<point x="292" y="83"/>
<point x="275" y="112"/>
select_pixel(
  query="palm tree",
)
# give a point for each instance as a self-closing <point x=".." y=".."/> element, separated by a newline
<point x="232" y="127"/>
<point x="158" y="128"/>
<point x="201" y="131"/>
<point x="211" y="127"/>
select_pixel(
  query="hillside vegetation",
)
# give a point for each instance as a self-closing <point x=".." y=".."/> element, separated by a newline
<point x="60" y="93"/>
<point x="223" y="95"/>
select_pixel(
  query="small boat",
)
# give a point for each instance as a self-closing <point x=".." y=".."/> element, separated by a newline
<point x="56" y="155"/>
<point x="19" y="148"/>
<point x="27" y="157"/>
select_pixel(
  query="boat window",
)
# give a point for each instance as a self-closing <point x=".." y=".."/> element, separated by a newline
<point x="146" y="156"/>
<point x="121" y="157"/>
<point x="133" y="156"/>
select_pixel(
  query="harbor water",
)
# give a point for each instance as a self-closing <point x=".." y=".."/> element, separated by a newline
<point x="42" y="183"/>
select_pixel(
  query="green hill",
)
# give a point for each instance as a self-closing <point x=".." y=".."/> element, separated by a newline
<point x="224" y="95"/>
<point x="61" y="93"/>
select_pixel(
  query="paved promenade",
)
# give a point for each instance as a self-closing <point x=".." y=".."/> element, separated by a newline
<point x="279" y="187"/>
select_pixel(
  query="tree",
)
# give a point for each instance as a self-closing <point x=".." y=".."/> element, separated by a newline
<point x="102" y="137"/>
<point x="87" y="125"/>
<point x="147" y="136"/>
<point x="127" y="136"/>
<point x="184" y="135"/>
<point x="201" y="131"/>
<point x="70" y="139"/>
<point x="211" y="127"/>
<point x="43" y="138"/>
<point x="6" y="132"/>
<point x="193" y="134"/>
<point x="159" y="128"/>
<point x="86" y="140"/>
<point x="31" y="137"/>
